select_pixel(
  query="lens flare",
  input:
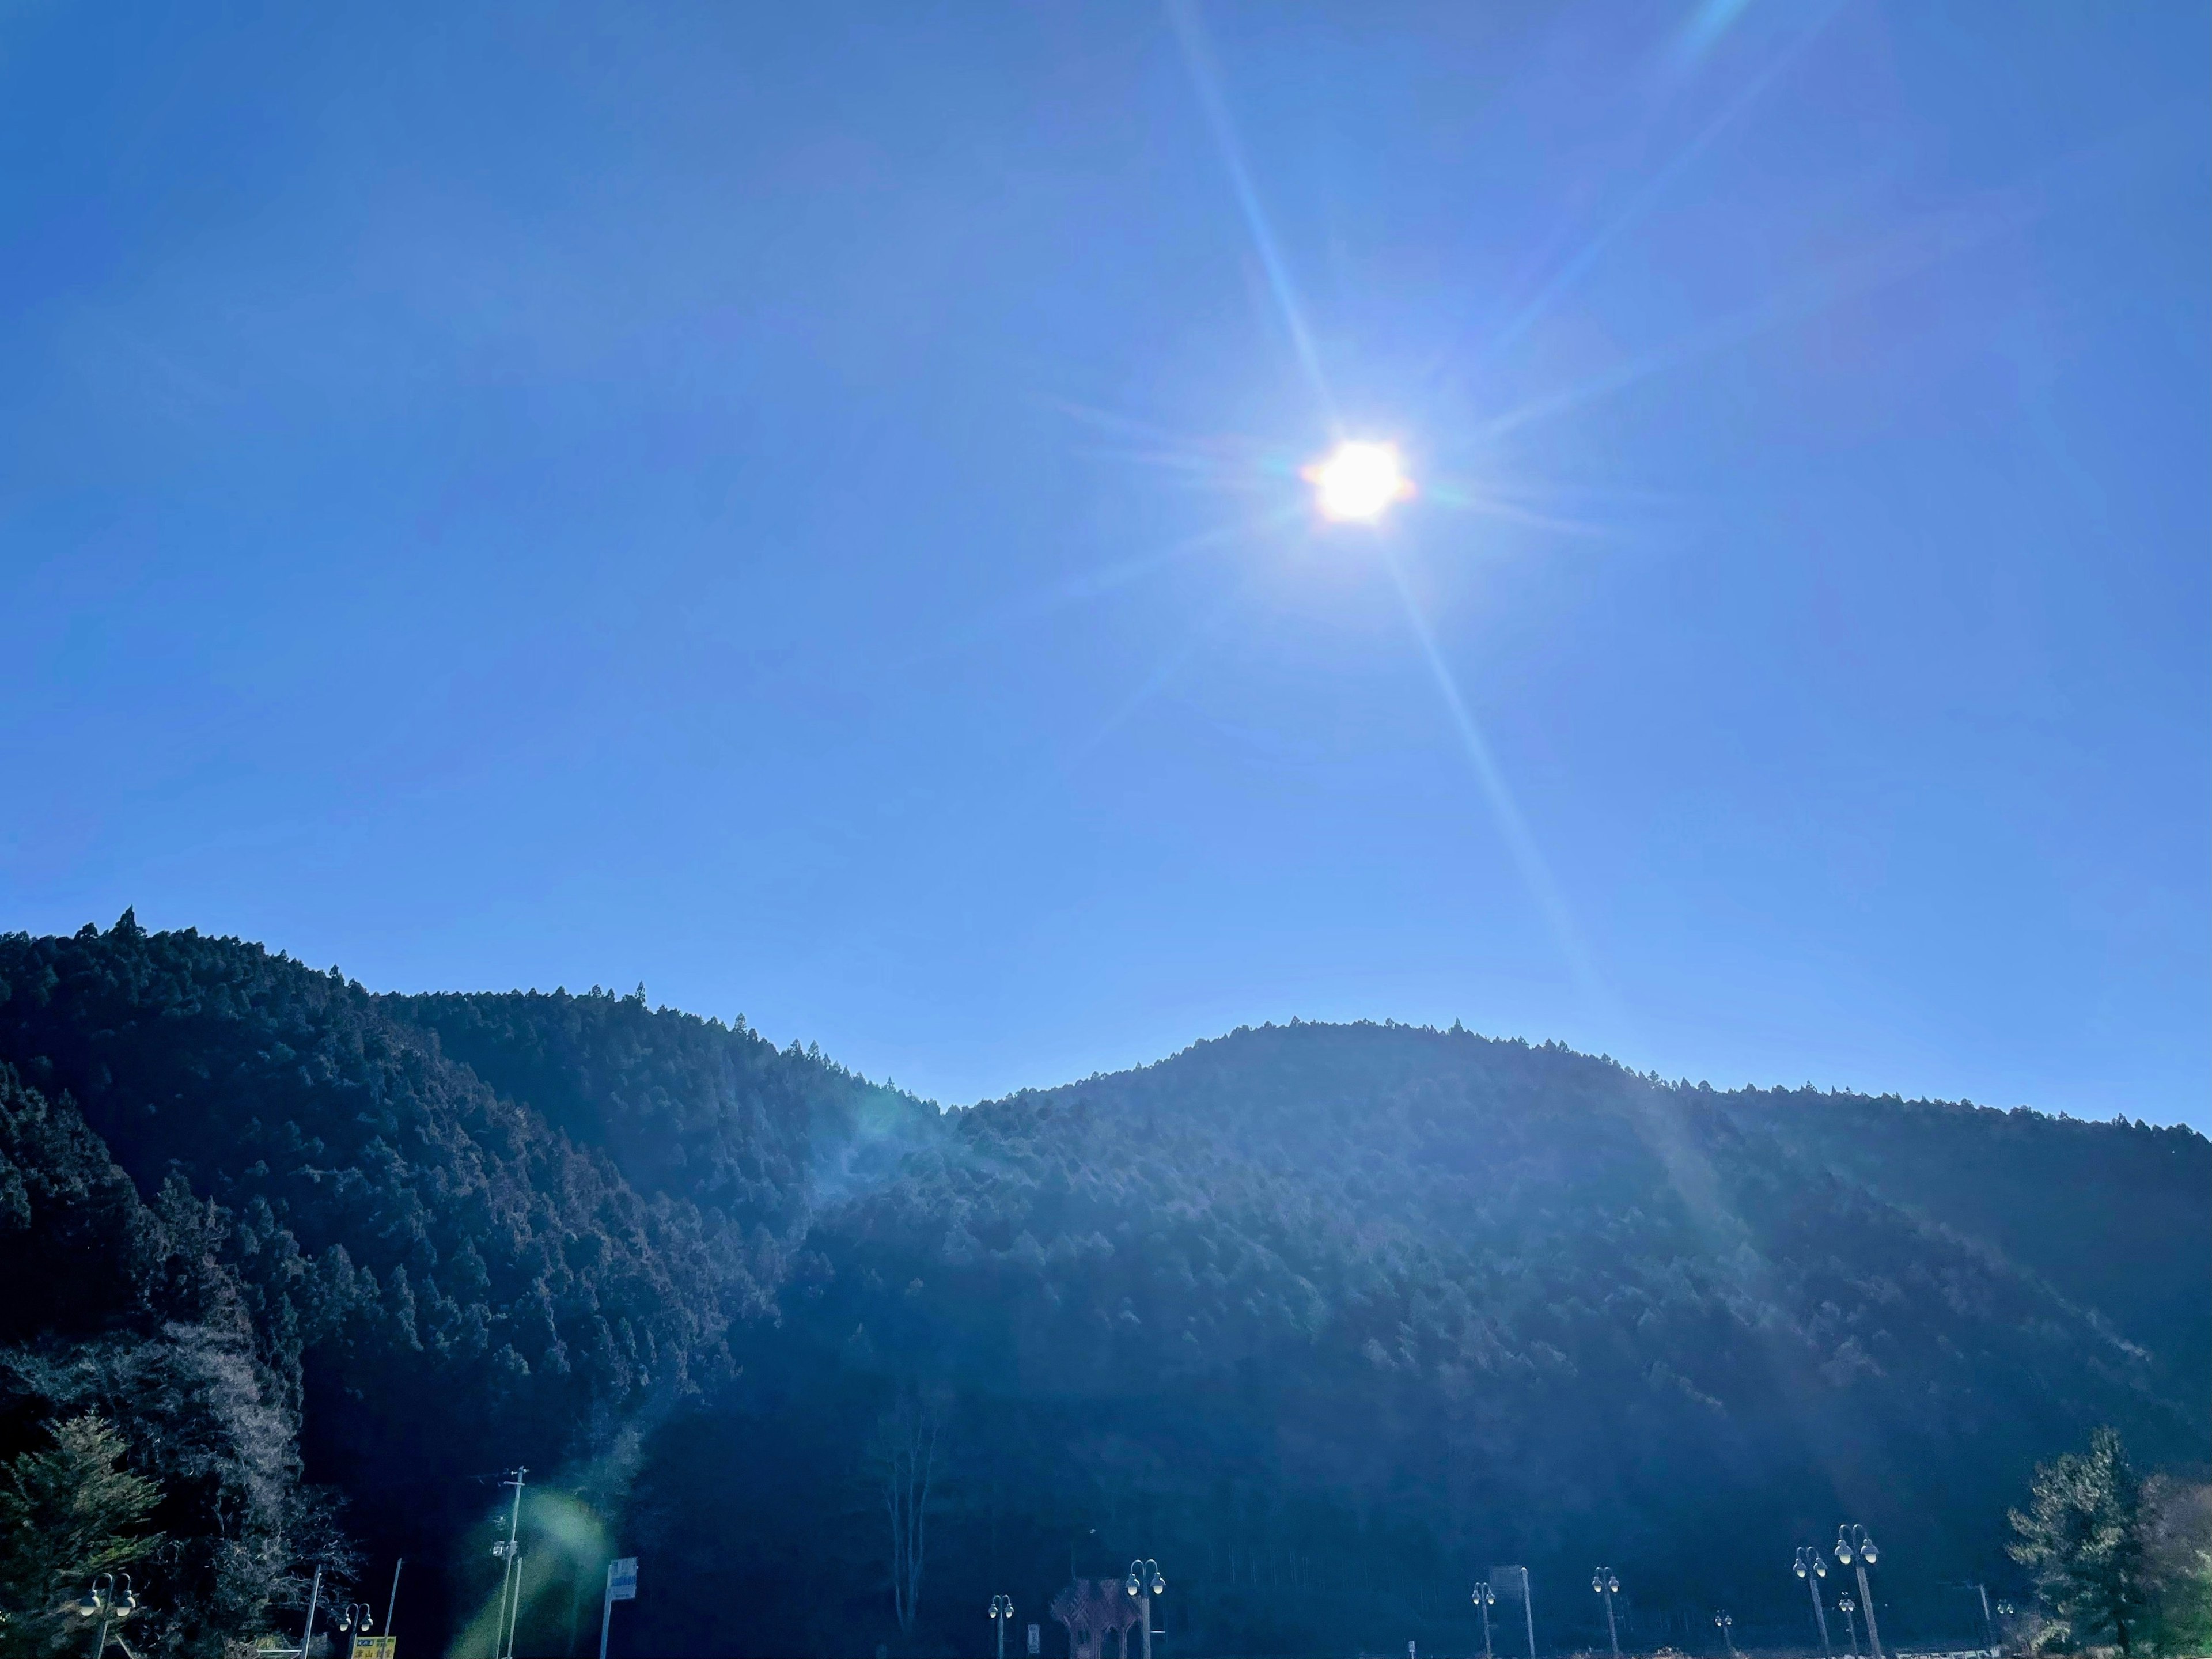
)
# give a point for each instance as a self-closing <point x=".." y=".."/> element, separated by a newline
<point x="1359" y="482"/>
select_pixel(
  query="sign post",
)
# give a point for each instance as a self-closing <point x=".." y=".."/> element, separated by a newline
<point x="622" y="1586"/>
<point x="1035" y="1632"/>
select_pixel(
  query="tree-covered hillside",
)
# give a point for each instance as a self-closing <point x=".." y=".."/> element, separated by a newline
<point x="1327" y="1319"/>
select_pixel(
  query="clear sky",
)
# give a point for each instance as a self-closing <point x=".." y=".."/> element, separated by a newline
<point x="799" y="505"/>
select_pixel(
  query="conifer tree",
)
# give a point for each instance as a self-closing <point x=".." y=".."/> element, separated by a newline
<point x="2082" y="1537"/>
<point x="67" y="1512"/>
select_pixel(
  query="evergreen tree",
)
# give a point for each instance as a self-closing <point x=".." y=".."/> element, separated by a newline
<point x="70" y="1512"/>
<point x="2082" y="1537"/>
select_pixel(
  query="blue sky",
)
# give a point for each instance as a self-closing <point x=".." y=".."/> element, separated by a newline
<point x="800" y="506"/>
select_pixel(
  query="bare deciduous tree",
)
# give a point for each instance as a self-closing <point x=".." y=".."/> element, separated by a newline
<point x="904" y="1460"/>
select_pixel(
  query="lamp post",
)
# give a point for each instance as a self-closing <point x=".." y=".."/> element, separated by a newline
<point x="1484" y="1598"/>
<point x="355" y="1620"/>
<point x="1002" y="1614"/>
<point x="1606" y="1583"/>
<point x="1811" y="1566"/>
<point x="1851" y="1625"/>
<point x="2005" y="1611"/>
<point x="1725" y="1622"/>
<point x="1145" y="1583"/>
<point x="102" y="1603"/>
<point x="1855" y="1548"/>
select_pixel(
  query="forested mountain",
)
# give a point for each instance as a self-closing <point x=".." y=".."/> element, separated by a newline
<point x="1327" y="1319"/>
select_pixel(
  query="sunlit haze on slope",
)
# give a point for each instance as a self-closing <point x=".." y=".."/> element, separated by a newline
<point x="859" y="517"/>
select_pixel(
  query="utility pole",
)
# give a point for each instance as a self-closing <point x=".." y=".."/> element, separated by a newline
<point x="314" y="1596"/>
<point x="392" y="1600"/>
<point x="1989" y="1625"/>
<point x="510" y="1581"/>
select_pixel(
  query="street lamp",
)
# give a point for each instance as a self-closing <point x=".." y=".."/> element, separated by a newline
<point x="1484" y="1598"/>
<point x="2005" y="1611"/>
<point x="1812" y="1568"/>
<point x="355" y="1620"/>
<point x="102" y="1603"/>
<point x="1725" y="1623"/>
<point x="1145" y="1583"/>
<point x="1851" y="1625"/>
<point x="1606" y="1583"/>
<point x="1002" y="1614"/>
<point x="1855" y="1548"/>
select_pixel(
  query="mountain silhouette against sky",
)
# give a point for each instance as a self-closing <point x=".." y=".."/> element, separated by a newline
<point x="1325" y="1318"/>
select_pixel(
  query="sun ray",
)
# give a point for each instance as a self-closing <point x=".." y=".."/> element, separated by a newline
<point x="1646" y="197"/>
<point x="1468" y="498"/>
<point x="1512" y="828"/>
<point x="1893" y="262"/>
<point x="1198" y="58"/>
<point x="1094" y="583"/>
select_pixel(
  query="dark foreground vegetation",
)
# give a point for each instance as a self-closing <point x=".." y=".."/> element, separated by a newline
<point x="1327" y="1319"/>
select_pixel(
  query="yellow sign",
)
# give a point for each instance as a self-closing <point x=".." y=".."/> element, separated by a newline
<point x="375" y="1647"/>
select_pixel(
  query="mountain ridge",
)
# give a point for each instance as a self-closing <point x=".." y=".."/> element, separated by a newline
<point x="1373" y="1290"/>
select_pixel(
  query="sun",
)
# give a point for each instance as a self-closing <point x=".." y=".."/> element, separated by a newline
<point x="1359" y="482"/>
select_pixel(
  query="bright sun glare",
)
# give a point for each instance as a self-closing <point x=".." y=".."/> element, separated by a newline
<point x="1359" y="482"/>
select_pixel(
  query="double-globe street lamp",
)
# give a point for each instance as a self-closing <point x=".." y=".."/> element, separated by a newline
<point x="1855" y="1548"/>
<point x="1145" y="1583"/>
<point x="1724" y="1621"/>
<point x="1812" y="1567"/>
<point x="1002" y="1614"/>
<point x="1484" y="1598"/>
<point x="1847" y="1606"/>
<point x="353" y="1619"/>
<point x="102" y="1603"/>
<point x="1606" y="1583"/>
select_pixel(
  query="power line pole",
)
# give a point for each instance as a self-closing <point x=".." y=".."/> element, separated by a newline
<point x="392" y="1600"/>
<point x="511" y="1580"/>
<point x="314" y="1596"/>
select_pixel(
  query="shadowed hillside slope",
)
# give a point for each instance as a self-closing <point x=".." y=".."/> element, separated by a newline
<point x="1338" y="1315"/>
<point x="1325" y="1318"/>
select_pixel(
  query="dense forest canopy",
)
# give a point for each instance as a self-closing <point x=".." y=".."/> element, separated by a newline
<point x="1327" y="1319"/>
